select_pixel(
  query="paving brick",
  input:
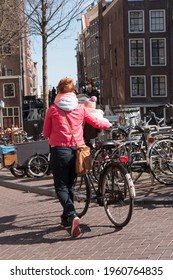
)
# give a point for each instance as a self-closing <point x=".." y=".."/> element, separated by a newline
<point x="30" y="225"/>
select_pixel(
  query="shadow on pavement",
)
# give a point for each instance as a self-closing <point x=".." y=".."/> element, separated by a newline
<point x="36" y="231"/>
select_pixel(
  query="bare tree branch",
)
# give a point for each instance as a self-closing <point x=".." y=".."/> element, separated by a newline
<point x="46" y="18"/>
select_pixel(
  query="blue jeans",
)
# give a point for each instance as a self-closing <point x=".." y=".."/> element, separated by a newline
<point x="63" y="168"/>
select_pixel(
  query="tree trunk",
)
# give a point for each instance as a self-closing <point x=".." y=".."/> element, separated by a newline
<point x="44" y="58"/>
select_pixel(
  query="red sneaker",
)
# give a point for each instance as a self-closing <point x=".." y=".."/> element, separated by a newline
<point x="75" y="229"/>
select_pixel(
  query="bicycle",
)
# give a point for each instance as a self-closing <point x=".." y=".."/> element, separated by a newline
<point x="149" y="154"/>
<point x="115" y="192"/>
<point x="160" y="160"/>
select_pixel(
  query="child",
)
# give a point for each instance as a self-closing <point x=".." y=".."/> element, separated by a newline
<point x="90" y="133"/>
<point x="90" y="104"/>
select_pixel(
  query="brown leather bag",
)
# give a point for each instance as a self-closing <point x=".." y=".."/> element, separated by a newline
<point x="83" y="160"/>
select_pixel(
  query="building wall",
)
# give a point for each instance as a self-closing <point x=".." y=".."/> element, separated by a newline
<point x="116" y="71"/>
<point x="88" y="49"/>
<point x="11" y="74"/>
<point x="147" y="70"/>
<point x="17" y="69"/>
<point x="111" y="53"/>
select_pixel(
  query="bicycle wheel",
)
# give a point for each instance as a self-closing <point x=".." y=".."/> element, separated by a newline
<point x="37" y="166"/>
<point x="138" y="163"/>
<point x="115" y="190"/>
<point x="18" y="172"/>
<point x="161" y="160"/>
<point x="82" y="195"/>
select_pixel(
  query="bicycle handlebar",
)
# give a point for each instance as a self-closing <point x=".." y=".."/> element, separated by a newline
<point x="152" y="117"/>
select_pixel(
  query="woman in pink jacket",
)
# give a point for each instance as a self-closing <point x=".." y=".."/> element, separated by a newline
<point x="63" y="148"/>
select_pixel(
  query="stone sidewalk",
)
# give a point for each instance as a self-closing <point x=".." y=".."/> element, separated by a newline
<point x="30" y="225"/>
<point x="147" y="192"/>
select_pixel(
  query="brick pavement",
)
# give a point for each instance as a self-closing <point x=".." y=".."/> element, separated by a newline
<point x="30" y="229"/>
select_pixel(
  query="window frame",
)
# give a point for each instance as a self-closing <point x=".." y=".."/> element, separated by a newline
<point x="4" y="96"/>
<point x="151" y="52"/>
<point x="150" y="21"/>
<point x="12" y="119"/>
<point x="129" y="20"/>
<point x="9" y="72"/>
<point x="137" y="76"/>
<point x="130" y="56"/>
<point x="3" y="47"/>
<point x="166" y="91"/>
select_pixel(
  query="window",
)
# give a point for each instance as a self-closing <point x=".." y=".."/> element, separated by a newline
<point x="136" y="21"/>
<point x="157" y="21"/>
<point x="11" y="116"/>
<point x="137" y="86"/>
<point x="9" y="72"/>
<point x="158" y="52"/>
<point x="159" y="86"/>
<point x="9" y="90"/>
<point x="16" y="111"/>
<point x="5" y="49"/>
<point x="136" y="52"/>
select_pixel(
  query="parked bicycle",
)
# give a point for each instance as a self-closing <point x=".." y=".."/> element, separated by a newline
<point x="151" y="153"/>
<point x="115" y="192"/>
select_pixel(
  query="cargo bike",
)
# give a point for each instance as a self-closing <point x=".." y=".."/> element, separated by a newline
<point x="16" y="157"/>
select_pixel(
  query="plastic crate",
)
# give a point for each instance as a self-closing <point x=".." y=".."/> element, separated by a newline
<point x="6" y="149"/>
<point x="9" y="159"/>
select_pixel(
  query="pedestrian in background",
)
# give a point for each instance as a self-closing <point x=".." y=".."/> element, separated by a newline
<point x="92" y="91"/>
<point x="52" y="95"/>
<point x="63" y="147"/>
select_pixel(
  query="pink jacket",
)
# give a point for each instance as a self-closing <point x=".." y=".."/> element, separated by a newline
<point x="55" y="127"/>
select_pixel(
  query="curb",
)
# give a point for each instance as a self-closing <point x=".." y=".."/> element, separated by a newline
<point x="154" y="200"/>
<point x="41" y="190"/>
<point x="49" y="191"/>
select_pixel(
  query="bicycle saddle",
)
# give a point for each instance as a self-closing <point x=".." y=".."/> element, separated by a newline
<point x="110" y="142"/>
<point x="125" y="130"/>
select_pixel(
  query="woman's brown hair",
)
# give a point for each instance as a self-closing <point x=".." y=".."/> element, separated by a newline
<point x="65" y="85"/>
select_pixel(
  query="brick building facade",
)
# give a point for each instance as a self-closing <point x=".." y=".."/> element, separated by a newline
<point x="135" y="54"/>
<point x="18" y="73"/>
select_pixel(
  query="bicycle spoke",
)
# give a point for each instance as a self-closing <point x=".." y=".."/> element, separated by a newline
<point x="37" y="166"/>
<point x="161" y="160"/>
<point x="81" y="195"/>
<point x="116" y="196"/>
